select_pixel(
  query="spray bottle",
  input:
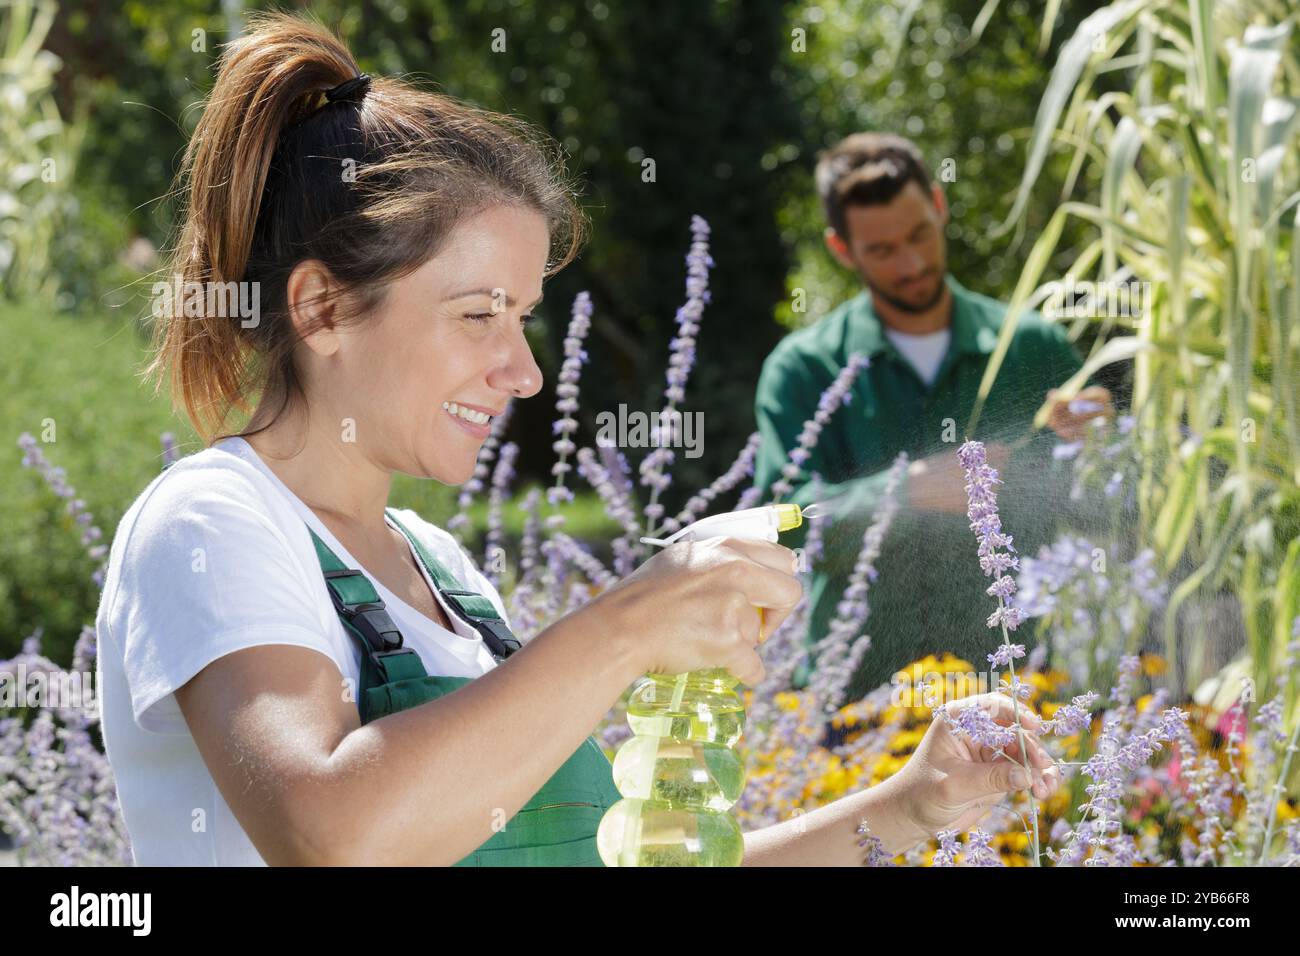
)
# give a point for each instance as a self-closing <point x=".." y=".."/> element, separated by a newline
<point x="679" y="774"/>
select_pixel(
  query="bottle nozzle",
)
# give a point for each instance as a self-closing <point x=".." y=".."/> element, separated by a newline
<point x="788" y="516"/>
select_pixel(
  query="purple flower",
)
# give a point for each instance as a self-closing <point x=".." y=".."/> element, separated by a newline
<point x="580" y="556"/>
<point x="740" y="469"/>
<point x="58" y="799"/>
<point x="987" y="525"/>
<point x="33" y="457"/>
<point x="169" y="453"/>
<point x="482" y="469"/>
<point x="1005" y="654"/>
<point x="1008" y="617"/>
<point x="1071" y="718"/>
<point x="1004" y="587"/>
<point x="837" y="654"/>
<point x="836" y="395"/>
<point x="978" y="851"/>
<point x="502" y="475"/>
<point x="946" y="855"/>
<point x="681" y="359"/>
<point x="876" y="855"/>
<point x="1015" y="688"/>
<point x="977" y="724"/>
<point x="566" y="391"/>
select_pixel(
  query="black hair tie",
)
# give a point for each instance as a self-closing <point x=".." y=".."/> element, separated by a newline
<point x="354" y="88"/>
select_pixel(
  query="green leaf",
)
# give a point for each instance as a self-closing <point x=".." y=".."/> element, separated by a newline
<point x="1178" y="513"/>
<point x="1074" y="56"/>
<point x="1120" y="349"/>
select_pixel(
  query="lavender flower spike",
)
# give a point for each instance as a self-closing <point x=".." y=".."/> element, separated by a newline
<point x="56" y="478"/>
<point x="876" y="855"/>
<point x="482" y="470"/>
<point x="838" y="393"/>
<point x="987" y="525"/>
<point x="1005" y="654"/>
<point x="654" y="467"/>
<point x="740" y="469"/>
<point x="982" y="509"/>
<point x="566" y="391"/>
<point x="977" y="724"/>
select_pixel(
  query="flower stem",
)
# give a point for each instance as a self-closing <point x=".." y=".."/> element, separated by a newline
<point x="1024" y="751"/>
<point x="1281" y="783"/>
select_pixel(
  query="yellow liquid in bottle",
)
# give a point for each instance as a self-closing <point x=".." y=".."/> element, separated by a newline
<point x="678" y="775"/>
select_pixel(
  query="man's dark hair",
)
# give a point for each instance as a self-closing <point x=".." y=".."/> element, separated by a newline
<point x="866" y="169"/>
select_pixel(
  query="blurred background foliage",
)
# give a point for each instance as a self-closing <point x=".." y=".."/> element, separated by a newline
<point x="731" y="100"/>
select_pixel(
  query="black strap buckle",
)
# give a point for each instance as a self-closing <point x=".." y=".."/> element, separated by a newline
<point x="497" y="637"/>
<point x="371" y="620"/>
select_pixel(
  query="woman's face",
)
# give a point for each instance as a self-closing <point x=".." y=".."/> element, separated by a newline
<point x="447" y="342"/>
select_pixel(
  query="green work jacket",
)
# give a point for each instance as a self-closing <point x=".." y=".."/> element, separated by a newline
<point x="927" y="592"/>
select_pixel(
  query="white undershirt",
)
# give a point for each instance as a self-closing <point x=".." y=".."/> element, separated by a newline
<point x="214" y="557"/>
<point x="924" y="352"/>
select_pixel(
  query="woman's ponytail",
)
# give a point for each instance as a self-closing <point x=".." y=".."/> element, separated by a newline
<point x="268" y="79"/>
<point x="261" y="177"/>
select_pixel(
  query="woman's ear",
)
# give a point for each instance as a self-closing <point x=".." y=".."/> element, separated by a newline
<point x="311" y="294"/>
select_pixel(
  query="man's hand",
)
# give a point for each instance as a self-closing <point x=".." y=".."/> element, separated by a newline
<point x="1069" y="417"/>
<point x="938" y="483"/>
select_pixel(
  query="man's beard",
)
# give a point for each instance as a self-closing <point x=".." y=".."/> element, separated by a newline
<point x="902" y="304"/>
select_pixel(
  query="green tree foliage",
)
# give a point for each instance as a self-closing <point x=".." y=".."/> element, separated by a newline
<point x="968" y="101"/>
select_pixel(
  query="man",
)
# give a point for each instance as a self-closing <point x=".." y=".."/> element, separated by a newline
<point x="929" y="341"/>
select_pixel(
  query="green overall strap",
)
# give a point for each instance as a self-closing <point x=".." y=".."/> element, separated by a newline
<point x="557" y="827"/>
<point x="384" y="659"/>
<point x="472" y="606"/>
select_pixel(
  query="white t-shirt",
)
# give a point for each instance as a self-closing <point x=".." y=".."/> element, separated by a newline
<point x="213" y="557"/>
<point x="924" y="352"/>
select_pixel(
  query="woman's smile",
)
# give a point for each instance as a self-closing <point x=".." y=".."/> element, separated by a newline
<point x="477" y="421"/>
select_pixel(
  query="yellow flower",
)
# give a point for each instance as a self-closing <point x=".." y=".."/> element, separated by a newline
<point x="787" y="700"/>
<point x="1015" y="840"/>
<point x="886" y="766"/>
<point x="1040" y="682"/>
<point x="1058" y="678"/>
<point x="945" y="663"/>
<point x="950" y="662"/>
<point x="910" y="697"/>
<point x="905" y="741"/>
<point x="893" y="715"/>
<point x="1058" y="804"/>
<point x="1153" y="665"/>
<point x="833" y="781"/>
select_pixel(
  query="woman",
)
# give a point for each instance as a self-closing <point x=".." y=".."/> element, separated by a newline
<point x="259" y="706"/>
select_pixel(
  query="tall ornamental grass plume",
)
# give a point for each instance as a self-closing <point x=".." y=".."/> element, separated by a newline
<point x="1179" y="223"/>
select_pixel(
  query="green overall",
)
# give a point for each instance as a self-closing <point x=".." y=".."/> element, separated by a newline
<point x="557" y="827"/>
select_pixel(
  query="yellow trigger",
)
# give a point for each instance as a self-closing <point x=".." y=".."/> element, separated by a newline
<point x="788" y="516"/>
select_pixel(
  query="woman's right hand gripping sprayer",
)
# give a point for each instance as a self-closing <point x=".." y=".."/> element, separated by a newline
<point x="679" y="775"/>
